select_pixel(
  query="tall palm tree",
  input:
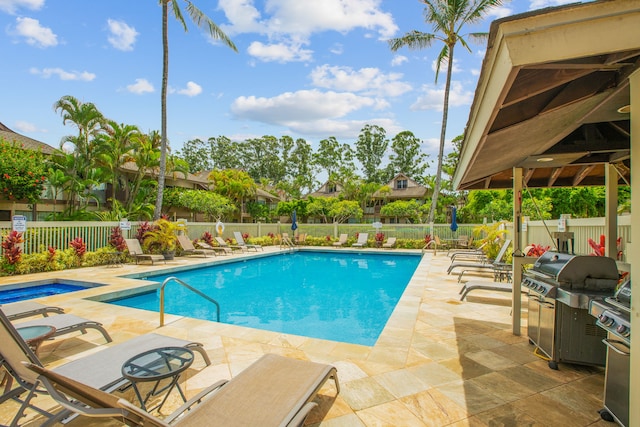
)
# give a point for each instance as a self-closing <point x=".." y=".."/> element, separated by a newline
<point x="447" y="18"/>
<point x="202" y="21"/>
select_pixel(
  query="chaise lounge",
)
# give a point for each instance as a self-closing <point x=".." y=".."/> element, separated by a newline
<point x="273" y="391"/>
<point x="15" y="352"/>
<point x="66" y="324"/>
<point x="22" y="309"/>
<point x="241" y="242"/>
<point x="362" y="240"/>
<point x="135" y="250"/>
<point x="341" y="240"/>
<point x="188" y="248"/>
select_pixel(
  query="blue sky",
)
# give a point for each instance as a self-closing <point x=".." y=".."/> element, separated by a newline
<point x="308" y="69"/>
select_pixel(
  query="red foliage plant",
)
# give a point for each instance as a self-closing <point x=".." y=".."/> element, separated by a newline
<point x="116" y="240"/>
<point x="379" y="237"/>
<point x="427" y="238"/>
<point x="142" y="229"/>
<point x="207" y="238"/>
<point x="328" y="238"/>
<point x="51" y="254"/>
<point x="11" y="247"/>
<point x="79" y="246"/>
<point x="245" y="236"/>
<point x="537" y="250"/>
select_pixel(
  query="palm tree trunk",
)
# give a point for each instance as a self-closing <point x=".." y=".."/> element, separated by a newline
<point x="163" y="126"/>
<point x="443" y="133"/>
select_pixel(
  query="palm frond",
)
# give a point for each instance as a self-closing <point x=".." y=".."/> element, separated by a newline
<point x="412" y="40"/>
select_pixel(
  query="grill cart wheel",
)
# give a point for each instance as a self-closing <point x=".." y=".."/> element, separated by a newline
<point x="606" y="415"/>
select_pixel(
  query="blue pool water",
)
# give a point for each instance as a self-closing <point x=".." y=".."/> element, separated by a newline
<point x="340" y="297"/>
<point x="36" y="291"/>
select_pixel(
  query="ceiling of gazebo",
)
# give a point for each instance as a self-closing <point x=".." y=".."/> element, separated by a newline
<point x="553" y="98"/>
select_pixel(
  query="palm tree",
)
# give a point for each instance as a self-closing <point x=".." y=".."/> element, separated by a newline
<point x="447" y="18"/>
<point x="202" y="21"/>
<point x="115" y="149"/>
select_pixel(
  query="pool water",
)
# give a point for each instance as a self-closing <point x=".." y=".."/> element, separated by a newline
<point x="340" y="297"/>
<point x="36" y="291"/>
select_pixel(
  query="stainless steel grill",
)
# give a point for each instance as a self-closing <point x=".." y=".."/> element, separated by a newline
<point x="561" y="287"/>
<point x="614" y="316"/>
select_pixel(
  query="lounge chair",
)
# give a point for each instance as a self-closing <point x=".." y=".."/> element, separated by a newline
<point x="241" y="242"/>
<point x="102" y="370"/>
<point x="362" y="240"/>
<point x="66" y="324"/>
<point x="341" y="240"/>
<point x="273" y="391"/>
<point x="133" y="245"/>
<point x="390" y="243"/>
<point x="188" y="248"/>
<point x="204" y="245"/>
<point x="285" y="240"/>
<point x="22" y="309"/>
<point x="301" y="239"/>
<point x="224" y="244"/>
<point x="482" y="285"/>
<point x="470" y="251"/>
<point x="496" y="266"/>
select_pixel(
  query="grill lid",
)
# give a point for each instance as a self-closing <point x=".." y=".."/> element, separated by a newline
<point x="578" y="272"/>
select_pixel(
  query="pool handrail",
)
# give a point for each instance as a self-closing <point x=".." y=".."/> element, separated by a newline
<point x="191" y="288"/>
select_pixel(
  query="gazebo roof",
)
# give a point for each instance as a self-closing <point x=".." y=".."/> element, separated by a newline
<point x="553" y="98"/>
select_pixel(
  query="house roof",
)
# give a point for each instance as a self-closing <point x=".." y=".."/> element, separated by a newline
<point x="553" y="98"/>
<point x="29" y="143"/>
<point x="414" y="190"/>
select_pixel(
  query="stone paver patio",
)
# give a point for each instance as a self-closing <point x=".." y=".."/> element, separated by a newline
<point x="438" y="362"/>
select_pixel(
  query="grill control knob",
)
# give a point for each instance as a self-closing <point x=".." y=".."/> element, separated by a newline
<point x="623" y="330"/>
<point x="606" y="320"/>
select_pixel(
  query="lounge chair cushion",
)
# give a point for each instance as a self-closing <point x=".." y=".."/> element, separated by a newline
<point x="22" y="309"/>
<point x="65" y="324"/>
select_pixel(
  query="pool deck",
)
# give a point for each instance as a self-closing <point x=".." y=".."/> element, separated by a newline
<point x="438" y="362"/>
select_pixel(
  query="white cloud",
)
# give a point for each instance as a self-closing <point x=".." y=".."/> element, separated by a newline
<point x="36" y="34"/>
<point x="539" y="4"/>
<point x="141" y="86"/>
<point x="298" y="106"/>
<point x="10" y="6"/>
<point x="122" y="35"/>
<point x="337" y="49"/>
<point x="370" y="81"/>
<point x="499" y="12"/>
<point x="25" y="127"/>
<point x="292" y="22"/>
<point x="444" y="65"/>
<point x="192" y="89"/>
<point x="63" y="74"/>
<point x="398" y="60"/>
<point x="432" y="98"/>
<point x="279" y="52"/>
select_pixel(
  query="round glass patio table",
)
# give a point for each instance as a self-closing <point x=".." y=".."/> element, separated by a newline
<point x="35" y="335"/>
<point x="155" y="366"/>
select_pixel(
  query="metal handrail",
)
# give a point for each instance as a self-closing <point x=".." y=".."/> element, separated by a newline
<point x="191" y="288"/>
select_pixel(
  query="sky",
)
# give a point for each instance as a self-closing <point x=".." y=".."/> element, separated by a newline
<point x="307" y="69"/>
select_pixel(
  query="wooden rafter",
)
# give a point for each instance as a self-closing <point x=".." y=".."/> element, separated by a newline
<point x="554" y="176"/>
<point x="528" y="174"/>
<point x="584" y="171"/>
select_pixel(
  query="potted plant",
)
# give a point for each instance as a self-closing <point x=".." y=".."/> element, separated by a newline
<point x="162" y="238"/>
<point x="379" y="239"/>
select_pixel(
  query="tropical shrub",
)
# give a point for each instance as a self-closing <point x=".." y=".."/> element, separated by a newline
<point x="11" y="251"/>
<point x="116" y="240"/>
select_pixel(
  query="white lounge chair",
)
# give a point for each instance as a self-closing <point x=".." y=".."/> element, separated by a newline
<point x="390" y="243"/>
<point x="362" y="240"/>
<point x="204" y="245"/>
<point x="341" y="240"/>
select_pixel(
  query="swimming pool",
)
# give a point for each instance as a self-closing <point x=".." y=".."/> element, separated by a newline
<point x="340" y="297"/>
<point x="30" y="290"/>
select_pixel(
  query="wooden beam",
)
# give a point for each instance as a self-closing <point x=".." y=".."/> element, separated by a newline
<point x="487" y="182"/>
<point x="554" y="176"/>
<point x="527" y="176"/>
<point x="582" y="174"/>
<point x="530" y="83"/>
